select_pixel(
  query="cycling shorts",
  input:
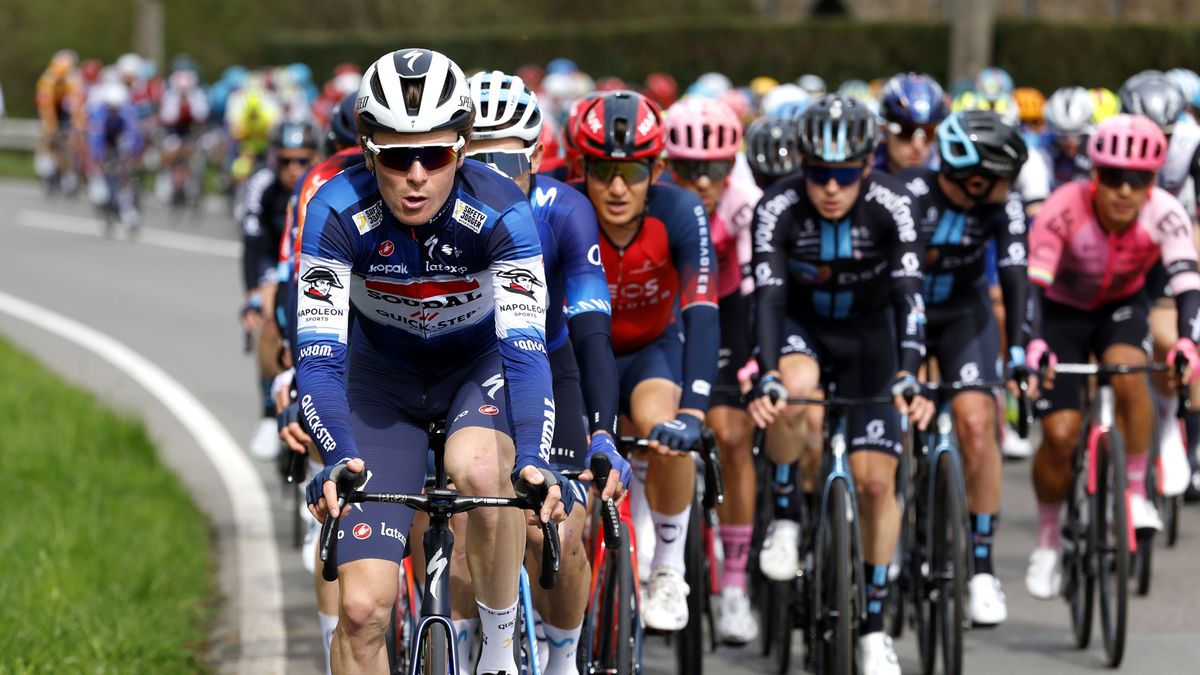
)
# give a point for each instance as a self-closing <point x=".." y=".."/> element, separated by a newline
<point x="662" y="358"/>
<point x="962" y="335"/>
<point x="735" y="348"/>
<point x="1075" y="335"/>
<point x="569" y="447"/>
<point x="861" y="355"/>
<point x="390" y="410"/>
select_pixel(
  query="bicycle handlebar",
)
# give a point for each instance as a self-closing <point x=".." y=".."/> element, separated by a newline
<point x="600" y="466"/>
<point x="714" y="481"/>
<point x="1107" y="368"/>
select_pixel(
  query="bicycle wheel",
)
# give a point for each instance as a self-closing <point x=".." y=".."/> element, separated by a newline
<point x="949" y="562"/>
<point x="1172" y="518"/>
<point x="1079" y="576"/>
<point x="1110" y="540"/>
<point x="832" y="630"/>
<point x="689" y="645"/>
<point x="628" y="626"/>
<point x="781" y="593"/>
<point x="924" y="618"/>
<point x="435" y="649"/>
<point x="901" y="591"/>
<point x="1143" y="559"/>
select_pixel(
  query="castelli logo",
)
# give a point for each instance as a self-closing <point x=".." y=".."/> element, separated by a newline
<point x="489" y="409"/>
<point x="386" y="248"/>
<point x="361" y="531"/>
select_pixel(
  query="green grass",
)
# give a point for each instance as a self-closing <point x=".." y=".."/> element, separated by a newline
<point x="105" y="563"/>
<point x="16" y="164"/>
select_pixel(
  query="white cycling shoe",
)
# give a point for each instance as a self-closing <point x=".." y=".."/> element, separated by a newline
<point x="1043" y="577"/>
<point x="1015" y="447"/>
<point x="876" y="655"/>
<point x="988" y="605"/>
<point x="1176" y="472"/>
<point x="736" y="624"/>
<point x="264" y="442"/>
<point x="779" y="559"/>
<point x="664" y="603"/>
<point x="1143" y="514"/>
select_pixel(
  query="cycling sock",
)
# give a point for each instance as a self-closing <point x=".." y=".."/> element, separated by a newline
<point x="328" y="622"/>
<point x="736" y="541"/>
<point x="497" y="652"/>
<point x="787" y="505"/>
<point x="1191" y="423"/>
<point x="877" y="593"/>
<point x="466" y="632"/>
<point x="564" y="642"/>
<point x="1049" y="535"/>
<point x="983" y="528"/>
<point x="1135" y="466"/>
<point x="670" y="534"/>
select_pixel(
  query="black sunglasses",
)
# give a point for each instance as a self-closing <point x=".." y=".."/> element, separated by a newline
<point x="1115" y="178"/>
<point x="844" y="175"/>
<point x="401" y="157"/>
<point x="607" y="169"/>
<point x="302" y="161"/>
<point x="905" y="132"/>
<point x="692" y="170"/>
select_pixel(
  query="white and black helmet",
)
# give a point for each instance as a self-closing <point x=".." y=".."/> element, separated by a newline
<point x="504" y="108"/>
<point x="445" y="98"/>
<point x="1069" y="111"/>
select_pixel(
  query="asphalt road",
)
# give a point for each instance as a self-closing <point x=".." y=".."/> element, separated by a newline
<point x="177" y="307"/>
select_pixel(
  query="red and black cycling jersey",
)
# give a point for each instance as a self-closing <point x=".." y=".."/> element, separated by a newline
<point x="816" y="270"/>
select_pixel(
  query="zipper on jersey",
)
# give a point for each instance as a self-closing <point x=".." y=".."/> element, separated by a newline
<point x="412" y="232"/>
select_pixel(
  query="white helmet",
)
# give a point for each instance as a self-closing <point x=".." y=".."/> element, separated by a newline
<point x="504" y="108"/>
<point x="779" y="96"/>
<point x="1069" y="111"/>
<point x="130" y="66"/>
<point x="1187" y="81"/>
<point x="445" y="98"/>
<point x="114" y="94"/>
<point x="812" y="83"/>
<point x="713" y="84"/>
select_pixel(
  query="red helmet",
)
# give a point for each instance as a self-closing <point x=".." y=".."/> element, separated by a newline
<point x="90" y="70"/>
<point x="552" y="157"/>
<point x="531" y="74"/>
<point x="343" y="68"/>
<point x="610" y="84"/>
<point x="662" y="89"/>
<point x="620" y="125"/>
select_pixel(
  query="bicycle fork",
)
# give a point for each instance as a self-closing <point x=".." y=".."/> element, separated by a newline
<point x="435" y="605"/>
<point x="1107" y="419"/>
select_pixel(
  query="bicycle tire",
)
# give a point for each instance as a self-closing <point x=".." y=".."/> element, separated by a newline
<point x="628" y="631"/>
<point x="1143" y="559"/>
<point x="435" y="649"/>
<point x="1111" y="540"/>
<point x="832" y="615"/>
<point x="924" y="619"/>
<point x="1172" y="516"/>
<point x="781" y="594"/>
<point x="1079" y="575"/>
<point x="950" y="560"/>
<point x="902" y="589"/>
<point x="689" y="643"/>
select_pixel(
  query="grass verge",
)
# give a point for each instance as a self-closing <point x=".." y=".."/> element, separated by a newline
<point x="16" y="164"/>
<point x="106" y="562"/>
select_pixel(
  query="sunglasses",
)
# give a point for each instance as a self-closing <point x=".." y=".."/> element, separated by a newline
<point x="906" y="132"/>
<point x="1115" y="178"/>
<point x="844" y="175"/>
<point x="400" y="157"/>
<point x="691" y="170"/>
<point x="511" y="163"/>
<point x="607" y="169"/>
<point x="302" y="161"/>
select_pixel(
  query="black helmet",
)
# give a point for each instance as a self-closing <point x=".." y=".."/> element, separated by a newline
<point x="342" y="130"/>
<point x="772" y="147"/>
<point x="838" y="128"/>
<point x="979" y="143"/>
<point x="293" y="135"/>
<point x="1152" y="94"/>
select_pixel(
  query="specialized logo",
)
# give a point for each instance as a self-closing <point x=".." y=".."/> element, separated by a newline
<point x="321" y="281"/>
<point x="493" y="385"/>
<point x="411" y="58"/>
<point x="369" y="218"/>
<point x="437" y="565"/>
<point x="489" y="409"/>
<point x="361" y="531"/>
<point x="520" y="281"/>
<point x="386" y="248"/>
<point x="469" y="216"/>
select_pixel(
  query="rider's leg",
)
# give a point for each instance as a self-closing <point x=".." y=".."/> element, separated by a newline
<point x="1134" y="412"/>
<point x="879" y="522"/>
<point x="368" y="592"/>
<point x="670" y="481"/>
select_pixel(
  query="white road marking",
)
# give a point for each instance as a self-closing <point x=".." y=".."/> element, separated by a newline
<point x="94" y="227"/>
<point x="259" y="600"/>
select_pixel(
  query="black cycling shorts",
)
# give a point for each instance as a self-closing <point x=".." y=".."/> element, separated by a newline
<point x="961" y="334"/>
<point x="662" y="358"/>
<point x="861" y="355"/>
<point x="1075" y="335"/>
<point x="735" y="348"/>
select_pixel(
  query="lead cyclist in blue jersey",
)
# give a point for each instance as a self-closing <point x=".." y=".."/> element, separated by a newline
<point x="508" y="124"/>
<point x="438" y="263"/>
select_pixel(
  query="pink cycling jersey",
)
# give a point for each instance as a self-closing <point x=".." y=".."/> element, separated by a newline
<point x="1081" y="265"/>
<point x="730" y="226"/>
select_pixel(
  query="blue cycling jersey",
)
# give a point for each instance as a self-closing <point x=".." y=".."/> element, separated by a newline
<point x="464" y="285"/>
<point x="113" y="130"/>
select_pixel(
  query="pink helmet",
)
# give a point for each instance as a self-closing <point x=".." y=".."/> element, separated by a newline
<point x="1128" y="142"/>
<point x="703" y="129"/>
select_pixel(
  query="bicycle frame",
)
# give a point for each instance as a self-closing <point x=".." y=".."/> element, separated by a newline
<point x="837" y="459"/>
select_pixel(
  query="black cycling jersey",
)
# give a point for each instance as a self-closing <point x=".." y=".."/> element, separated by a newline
<point x="262" y="227"/>
<point x="816" y="270"/>
<point x="956" y="243"/>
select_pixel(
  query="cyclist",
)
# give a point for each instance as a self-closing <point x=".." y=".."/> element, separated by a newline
<point x="702" y="141"/>
<point x="114" y="144"/>
<point x="433" y="335"/>
<point x="772" y="150"/>
<point x="294" y="149"/>
<point x="1032" y="106"/>
<point x="183" y="112"/>
<point x="658" y="259"/>
<point x="59" y="95"/>
<point x="993" y="83"/>
<point x="837" y="270"/>
<point x="962" y="207"/>
<point x="508" y="125"/>
<point x="912" y="105"/>
<point x="1090" y="250"/>
<point x="1069" y="116"/>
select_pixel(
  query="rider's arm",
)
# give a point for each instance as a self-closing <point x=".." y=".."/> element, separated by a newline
<point x="589" y="312"/>
<point x="95" y="134"/>
<point x="908" y="305"/>
<point x="696" y="262"/>
<point x="257" y="256"/>
<point x="1047" y="238"/>
<point x="1011" y="263"/>
<point x="322" y="328"/>
<point x="514" y="253"/>
<point x="132" y="139"/>
<point x="1174" y="229"/>
<point x="770" y="274"/>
